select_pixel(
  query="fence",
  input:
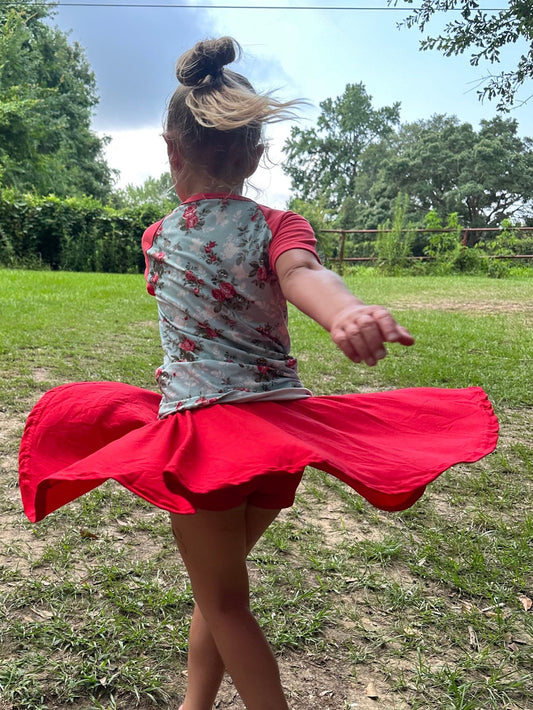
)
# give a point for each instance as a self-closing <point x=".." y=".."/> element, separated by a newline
<point x="465" y="232"/>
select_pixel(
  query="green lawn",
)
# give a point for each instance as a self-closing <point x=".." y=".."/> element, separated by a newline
<point x="430" y="605"/>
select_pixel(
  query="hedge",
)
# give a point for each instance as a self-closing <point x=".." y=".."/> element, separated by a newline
<point x="73" y="234"/>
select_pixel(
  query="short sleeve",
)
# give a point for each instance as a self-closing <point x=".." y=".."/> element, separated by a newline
<point x="289" y="231"/>
<point x="147" y="241"/>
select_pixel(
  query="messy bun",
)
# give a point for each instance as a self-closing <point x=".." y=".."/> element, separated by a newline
<point x="206" y="60"/>
<point x="215" y="118"/>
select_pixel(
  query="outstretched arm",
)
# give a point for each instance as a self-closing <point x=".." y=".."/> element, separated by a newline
<point x="360" y="331"/>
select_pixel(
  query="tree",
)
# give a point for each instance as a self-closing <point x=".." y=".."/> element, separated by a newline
<point x="323" y="162"/>
<point x="447" y="166"/>
<point x="371" y="202"/>
<point x="47" y="95"/>
<point x="158" y="192"/>
<point x="485" y="35"/>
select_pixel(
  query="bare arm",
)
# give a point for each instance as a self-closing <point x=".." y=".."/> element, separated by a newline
<point x="360" y="331"/>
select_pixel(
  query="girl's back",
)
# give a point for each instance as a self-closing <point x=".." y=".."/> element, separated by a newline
<point x="222" y="314"/>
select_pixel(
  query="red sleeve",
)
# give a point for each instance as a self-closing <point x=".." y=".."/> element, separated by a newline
<point x="147" y="241"/>
<point x="289" y="231"/>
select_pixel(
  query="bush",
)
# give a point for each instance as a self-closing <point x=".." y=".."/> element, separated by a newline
<point x="74" y="234"/>
<point x="470" y="261"/>
<point x="393" y="244"/>
<point x="443" y="247"/>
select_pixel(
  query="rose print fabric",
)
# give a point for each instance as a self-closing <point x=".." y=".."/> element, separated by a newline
<point x="222" y="315"/>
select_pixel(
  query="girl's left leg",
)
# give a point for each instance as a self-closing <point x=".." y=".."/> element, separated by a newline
<point x="205" y="666"/>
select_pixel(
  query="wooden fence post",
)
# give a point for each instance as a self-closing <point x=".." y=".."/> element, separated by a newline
<point x="341" y="252"/>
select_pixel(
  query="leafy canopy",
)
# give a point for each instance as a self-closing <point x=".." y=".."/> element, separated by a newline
<point x="357" y="159"/>
<point x="484" y="34"/>
<point x="323" y="162"/>
<point x="47" y="95"/>
<point x="442" y="164"/>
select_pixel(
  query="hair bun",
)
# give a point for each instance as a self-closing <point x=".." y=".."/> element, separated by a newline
<point x="205" y="59"/>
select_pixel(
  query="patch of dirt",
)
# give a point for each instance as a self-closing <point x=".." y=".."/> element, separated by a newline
<point x="525" y="307"/>
<point x="515" y="427"/>
<point x="42" y="374"/>
<point x="10" y="425"/>
<point x="328" y="684"/>
<point x="146" y="324"/>
<point x="336" y="525"/>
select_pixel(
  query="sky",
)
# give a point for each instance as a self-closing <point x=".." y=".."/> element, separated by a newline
<point x="299" y="53"/>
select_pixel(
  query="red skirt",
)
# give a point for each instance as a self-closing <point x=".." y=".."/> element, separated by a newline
<point x="387" y="446"/>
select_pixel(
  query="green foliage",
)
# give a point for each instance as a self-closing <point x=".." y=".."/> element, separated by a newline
<point x="158" y="192"/>
<point x="372" y="200"/>
<point x="323" y="162"/>
<point x="74" y="234"/>
<point x="446" y="166"/>
<point x="355" y="163"/>
<point x="393" y="244"/>
<point x="505" y="243"/>
<point x="47" y="95"/>
<point x="470" y="261"/>
<point x="320" y="219"/>
<point x="443" y="247"/>
<point x="485" y="35"/>
<point x="359" y="245"/>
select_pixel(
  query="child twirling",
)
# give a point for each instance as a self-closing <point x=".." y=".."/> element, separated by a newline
<point x="224" y="448"/>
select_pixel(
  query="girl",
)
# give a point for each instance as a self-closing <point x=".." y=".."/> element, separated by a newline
<point x="224" y="448"/>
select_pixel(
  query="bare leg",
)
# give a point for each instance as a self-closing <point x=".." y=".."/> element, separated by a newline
<point x="214" y="548"/>
<point x="204" y="665"/>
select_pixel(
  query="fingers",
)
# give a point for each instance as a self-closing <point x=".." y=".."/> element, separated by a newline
<point x="361" y="340"/>
<point x="392" y="331"/>
<point x="405" y="336"/>
<point x="361" y="332"/>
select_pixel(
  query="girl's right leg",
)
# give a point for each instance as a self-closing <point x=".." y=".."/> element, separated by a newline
<point x="214" y="548"/>
<point x="205" y="667"/>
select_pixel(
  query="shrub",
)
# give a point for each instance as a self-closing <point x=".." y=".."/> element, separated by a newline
<point x="443" y="247"/>
<point x="393" y="243"/>
<point x="74" y="234"/>
<point x="470" y="261"/>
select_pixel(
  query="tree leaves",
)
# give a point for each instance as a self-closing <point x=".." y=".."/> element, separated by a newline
<point x="484" y="34"/>
<point x="484" y="176"/>
<point x="323" y="162"/>
<point x="47" y="94"/>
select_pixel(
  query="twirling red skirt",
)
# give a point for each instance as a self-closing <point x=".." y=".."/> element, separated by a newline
<point x="387" y="446"/>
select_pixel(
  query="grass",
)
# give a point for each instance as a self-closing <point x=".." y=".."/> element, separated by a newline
<point x="429" y="604"/>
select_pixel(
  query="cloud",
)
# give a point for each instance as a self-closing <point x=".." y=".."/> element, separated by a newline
<point x="139" y="153"/>
<point x="133" y="52"/>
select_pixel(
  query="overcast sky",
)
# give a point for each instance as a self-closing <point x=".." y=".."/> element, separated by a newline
<point x="300" y="53"/>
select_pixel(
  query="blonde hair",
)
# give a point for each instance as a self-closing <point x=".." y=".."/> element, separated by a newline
<point x="215" y="117"/>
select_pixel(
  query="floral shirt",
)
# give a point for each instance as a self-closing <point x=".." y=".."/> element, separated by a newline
<point x="222" y="315"/>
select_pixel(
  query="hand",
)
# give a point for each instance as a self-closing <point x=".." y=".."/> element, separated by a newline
<point x="361" y="331"/>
